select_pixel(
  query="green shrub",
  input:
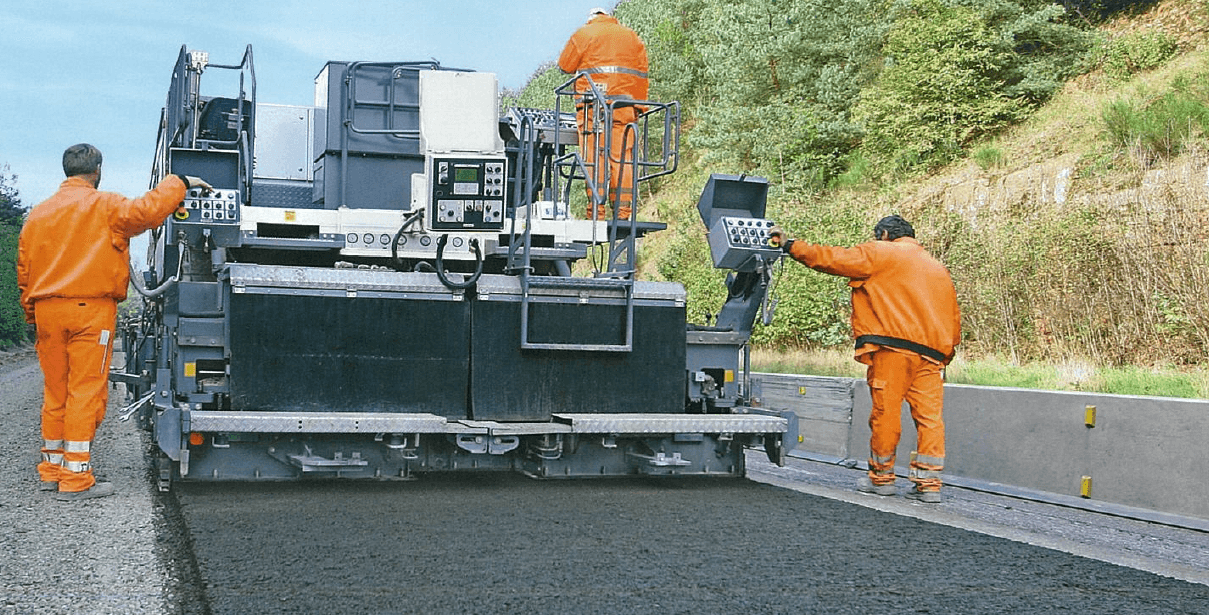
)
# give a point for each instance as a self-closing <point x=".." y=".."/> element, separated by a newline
<point x="988" y="157"/>
<point x="1124" y="56"/>
<point x="1162" y="126"/>
<point x="945" y="83"/>
<point x="538" y="92"/>
<point x="13" y="328"/>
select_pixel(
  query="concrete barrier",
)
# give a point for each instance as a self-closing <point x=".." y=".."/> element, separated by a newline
<point x="1131" y="451"/>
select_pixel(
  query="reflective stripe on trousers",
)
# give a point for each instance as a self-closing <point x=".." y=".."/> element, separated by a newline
<point x="52" y="461"/>
<point x="881" y="469"/>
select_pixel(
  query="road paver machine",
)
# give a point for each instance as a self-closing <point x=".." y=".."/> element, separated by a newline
<point x="392" y="282"/>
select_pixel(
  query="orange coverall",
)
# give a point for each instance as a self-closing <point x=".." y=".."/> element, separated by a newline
<point x="72" y="270"/>
<point x="614" y="58"/>
<point x="898" y="291"/>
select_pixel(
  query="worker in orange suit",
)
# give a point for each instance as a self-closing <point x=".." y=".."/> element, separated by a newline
<point x="614" y="60"/>
<point x="72" y="270"/>
<point x="907" y="323"/>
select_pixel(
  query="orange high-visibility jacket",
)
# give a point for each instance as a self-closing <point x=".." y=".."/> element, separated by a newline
<point x="611" y="54"/>
<point x="76" y="244"/>
<point x="898" y="290"/>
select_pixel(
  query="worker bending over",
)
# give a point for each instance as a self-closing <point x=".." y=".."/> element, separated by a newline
<point x="73" y="264"/>
<point x="614" y="59"/>
<point x="907" y="323"/>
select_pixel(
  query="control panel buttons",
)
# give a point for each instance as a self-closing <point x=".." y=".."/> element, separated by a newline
<point x="208" y="207"/>
<point x="467" y="193"/>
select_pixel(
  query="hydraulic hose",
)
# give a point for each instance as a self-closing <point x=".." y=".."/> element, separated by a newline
<point x="159" y="290"/>
<point x="394" y="245"/>
<point x="478" y="271"/>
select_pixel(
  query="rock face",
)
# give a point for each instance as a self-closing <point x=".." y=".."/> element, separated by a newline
<point x="1063" y="258"/>
<point x="1055" y="183"/>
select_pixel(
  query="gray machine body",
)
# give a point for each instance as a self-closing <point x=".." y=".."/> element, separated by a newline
<point x="322" y="315"/>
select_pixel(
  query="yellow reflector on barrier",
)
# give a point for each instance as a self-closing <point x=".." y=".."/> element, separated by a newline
<point x="1089" y="416"/>
<point x="1085" y="487"/>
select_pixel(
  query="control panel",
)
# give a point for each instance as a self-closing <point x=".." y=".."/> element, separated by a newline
<point x="466" y="194"/>
<point x="218" y="206"/>
<point x="740" y="243"/>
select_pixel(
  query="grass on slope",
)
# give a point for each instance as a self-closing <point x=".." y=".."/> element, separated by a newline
<point x="1157" y="381"/>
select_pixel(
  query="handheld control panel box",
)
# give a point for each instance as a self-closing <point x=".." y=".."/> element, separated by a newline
<point x="740" y="243"/>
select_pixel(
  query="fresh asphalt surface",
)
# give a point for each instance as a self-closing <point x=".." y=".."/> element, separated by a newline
<point x="792" y="540"/>
<point x="501" y="543"/>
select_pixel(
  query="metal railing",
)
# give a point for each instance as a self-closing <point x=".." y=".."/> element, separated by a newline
<point x="650" y="148"/>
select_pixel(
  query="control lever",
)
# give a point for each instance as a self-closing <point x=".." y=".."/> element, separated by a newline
<point x="128" y="411"/>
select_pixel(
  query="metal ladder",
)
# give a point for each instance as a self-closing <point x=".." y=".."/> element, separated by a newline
<point x="519" y="258"/>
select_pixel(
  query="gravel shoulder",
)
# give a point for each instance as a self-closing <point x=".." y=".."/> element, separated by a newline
<point x="96" y="556"/>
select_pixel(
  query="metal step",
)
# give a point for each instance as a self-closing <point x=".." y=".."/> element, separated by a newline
<point x="672" y="423"/>
<point x="548" y="281"/>
<point x="315" y="422"/>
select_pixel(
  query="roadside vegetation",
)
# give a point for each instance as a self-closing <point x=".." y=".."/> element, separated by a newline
<point x="13" y="330"/>
<point x="1037" y="147"/>
<point x="999" y="371"/>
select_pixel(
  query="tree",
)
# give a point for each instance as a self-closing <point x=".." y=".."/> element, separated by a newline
<point x="957" y="70"/>
<point x="11" y="211"/>
<point x="12" y="216"/>
<point x="538" y="91"/>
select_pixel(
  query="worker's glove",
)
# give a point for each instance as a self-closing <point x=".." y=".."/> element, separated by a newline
<point x="778" y="239"/>
<point x="197" y="182"/>
<point x="190" y="183"/>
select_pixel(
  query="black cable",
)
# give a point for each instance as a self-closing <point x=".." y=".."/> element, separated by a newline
<point x="478" y="255"/>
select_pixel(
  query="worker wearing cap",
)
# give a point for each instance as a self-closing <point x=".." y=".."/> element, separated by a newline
<point x="614" y="59"/>
<point x="906" y="322"/>
<point x="72" y="270"/>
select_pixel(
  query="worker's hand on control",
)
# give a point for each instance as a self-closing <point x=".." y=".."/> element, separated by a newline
<point x="197" y="182"/>
<point x="777" y="237"/>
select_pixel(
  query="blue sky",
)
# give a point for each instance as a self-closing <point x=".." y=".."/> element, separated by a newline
<point x="98" y="72"/>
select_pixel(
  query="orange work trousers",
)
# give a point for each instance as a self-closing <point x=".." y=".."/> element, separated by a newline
<point x="75" y="337"/>
<point x="617" y="171"/>
<point x="893" y="377"/>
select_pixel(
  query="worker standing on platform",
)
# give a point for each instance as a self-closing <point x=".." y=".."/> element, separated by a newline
<point x="614" y="59"/>
<point x="73" y="264"/>
<point x="906" y="322"/>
